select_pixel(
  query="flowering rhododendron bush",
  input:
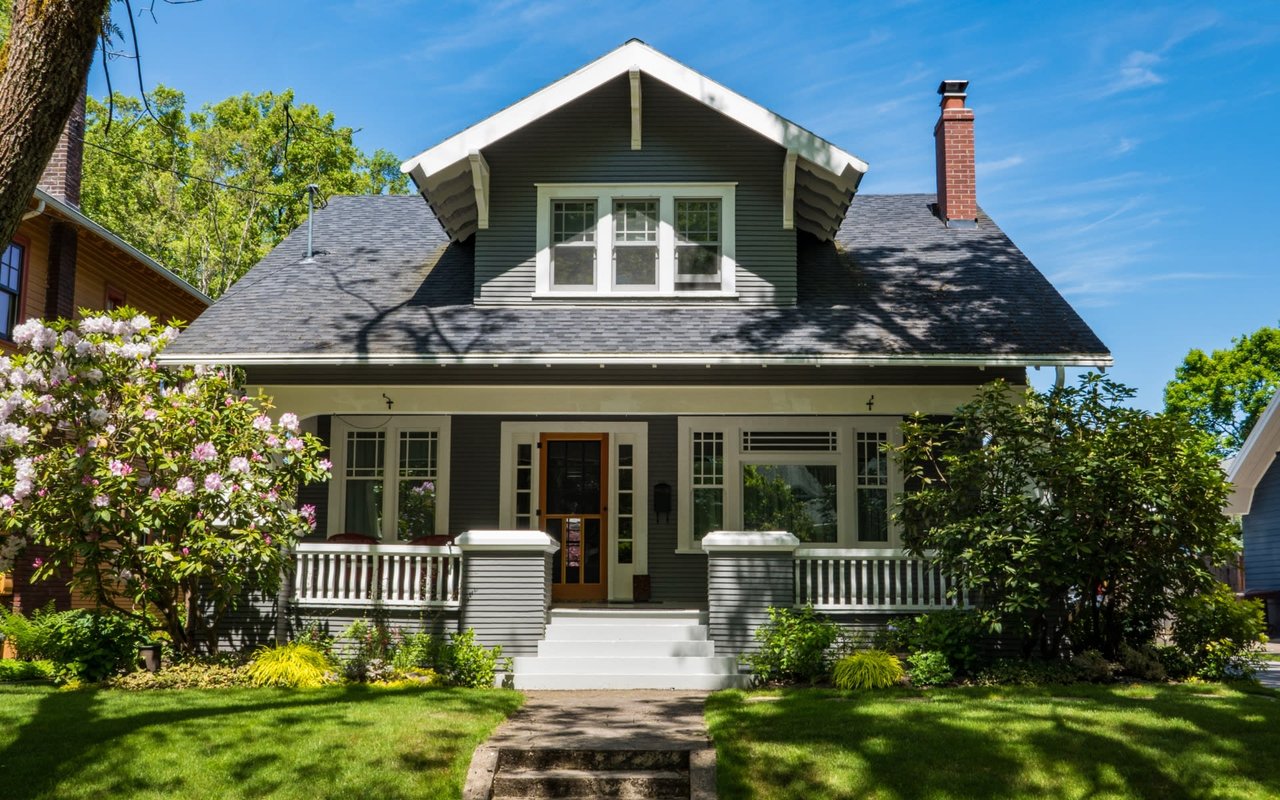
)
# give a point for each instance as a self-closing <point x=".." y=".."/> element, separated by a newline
<point x="162" y="489"/>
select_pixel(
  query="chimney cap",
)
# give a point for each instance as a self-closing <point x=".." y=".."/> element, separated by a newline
<point x="953" y="88"/>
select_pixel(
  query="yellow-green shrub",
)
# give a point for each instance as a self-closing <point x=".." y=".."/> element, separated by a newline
<point x="868" y="669"/>
<point x="291" y="666"/>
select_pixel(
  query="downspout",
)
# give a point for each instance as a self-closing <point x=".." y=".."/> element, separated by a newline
<point x="1059" y="377"/>
<point x="35" y="212"/>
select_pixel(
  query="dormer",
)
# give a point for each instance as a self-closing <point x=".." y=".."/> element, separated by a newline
<point x="636" y="179"/>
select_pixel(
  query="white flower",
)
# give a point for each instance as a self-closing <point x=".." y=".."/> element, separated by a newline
<point x="70" y="338"/>
<point x="101" y="501"/>
<point x="27" y="332"/>
<point x="262" y="423"/>
<point x="185" y="485"/>
<point x="99" y="324"/>
<point x="18" y="434"/>
<point x="240" y="464"/>
<point x="93" y="375"/>
<point x="289" y="422"/>
<point x="139" y="323"/>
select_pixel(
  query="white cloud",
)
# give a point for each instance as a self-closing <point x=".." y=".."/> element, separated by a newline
<point x="988" y="167"/>
<point x="1125" y="145"/>
<point x="1137" y="72"/>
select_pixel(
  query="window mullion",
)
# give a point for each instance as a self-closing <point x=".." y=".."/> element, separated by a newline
<point x="666" y="243"/>
<point x="604" y="243"/>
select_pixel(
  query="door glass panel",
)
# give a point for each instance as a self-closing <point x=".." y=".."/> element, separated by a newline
<point x="591" y="551"/>
<point x="573" y="477"/>
<point x="554" y="529"/>
<point x="572" y="549"/>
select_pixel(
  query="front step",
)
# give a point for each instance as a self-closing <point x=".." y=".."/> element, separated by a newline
<point x="567" y="773"/>
<point x="609" y="648"/>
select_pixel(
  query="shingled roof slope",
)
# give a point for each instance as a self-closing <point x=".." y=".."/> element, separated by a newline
<point x="896" y="285"/>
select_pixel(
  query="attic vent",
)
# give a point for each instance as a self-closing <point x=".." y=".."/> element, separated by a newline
<point x="789" y="441"/>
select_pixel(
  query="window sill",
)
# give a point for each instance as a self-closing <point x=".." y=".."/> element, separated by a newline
<point x="690" y="551"/>
<point x="613" y="297"/>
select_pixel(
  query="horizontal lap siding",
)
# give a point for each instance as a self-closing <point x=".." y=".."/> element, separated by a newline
<point x="589" y="141"/>
<point x="505" y="600"/>
<point x="740" y="591"/>
<point x="1262" y="534"/>
<point x="474" y="473"/>
<point x="676" y="578"/>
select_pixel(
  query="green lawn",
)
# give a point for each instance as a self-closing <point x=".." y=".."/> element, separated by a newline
<point x="1168" y="742"/>
<point x="348" y="742"/>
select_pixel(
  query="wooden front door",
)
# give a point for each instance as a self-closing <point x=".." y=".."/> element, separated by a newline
<point x="575" y="512"/>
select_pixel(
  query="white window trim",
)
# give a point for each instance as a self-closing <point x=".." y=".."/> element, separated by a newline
<point x="665" y="193"/>
<point x="632" y="433"/>
<point x="391" y="426"/>
<point x="843" y="457"/>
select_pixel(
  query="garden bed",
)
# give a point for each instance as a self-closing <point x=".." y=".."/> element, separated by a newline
<point x="341" y="741"/>
<point x="1078" y="741"/>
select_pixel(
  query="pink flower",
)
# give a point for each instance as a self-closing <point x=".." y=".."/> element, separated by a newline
<point x="289" y="422"/>
<point x="212" y="482"/>
<point x="6" y="502"/>
<point x="240" y="464"/>
<point x="229" y="402"/>
<point x="150" y="414"/>
<point x="262" y="423"/>
<point x="266" y="539"/>
<point x="101" y="501"/>
<point x="294" y="444"/>
<point x="185" y="485"/>
<point x="205" y="451"/>
<point x="186" y="551"/>
<point x="326" y="464"/>
<point x="157" y="493"/>
<point x="273" y="440"/>
<point x="308" y="512"/>
<point x="39" y="562"/>
<point x="120" y="469"/>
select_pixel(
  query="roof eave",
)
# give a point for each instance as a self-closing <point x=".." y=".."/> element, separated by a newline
<point x="1254" y="459"/>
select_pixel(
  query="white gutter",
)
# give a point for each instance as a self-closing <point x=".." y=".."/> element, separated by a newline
<point x="35" y="212"/>
<point x="79" y="218"/>
<point x="640" y="359"/>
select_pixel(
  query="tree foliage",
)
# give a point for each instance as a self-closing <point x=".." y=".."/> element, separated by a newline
<point x="267" y="146"/>
<point x="161" y="490"/>
<point x="1225" y="392"/>
<point x="1076" y="520"/>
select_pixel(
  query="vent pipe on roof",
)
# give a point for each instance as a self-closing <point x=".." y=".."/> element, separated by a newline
<point x="311" y="208"/>
<point x="953" y="137"/>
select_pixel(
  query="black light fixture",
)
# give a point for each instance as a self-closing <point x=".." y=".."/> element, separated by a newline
<point x="661" y="501"/>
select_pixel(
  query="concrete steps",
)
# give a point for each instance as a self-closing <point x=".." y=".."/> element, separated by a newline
<point x="627" y="649"/>
<point x="568" y="773"/>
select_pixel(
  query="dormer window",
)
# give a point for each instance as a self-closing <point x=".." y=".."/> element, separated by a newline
<point x="608" y="241"/>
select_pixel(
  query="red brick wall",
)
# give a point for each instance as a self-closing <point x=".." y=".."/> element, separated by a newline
<point x="957" y="184"/>
<point x="62" y="174"/>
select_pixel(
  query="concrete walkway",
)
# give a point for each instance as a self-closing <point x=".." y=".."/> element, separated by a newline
<point x="1269" y="675"/>
<point x="604" y="720"/>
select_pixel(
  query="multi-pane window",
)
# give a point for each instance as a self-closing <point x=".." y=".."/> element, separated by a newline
<point x="635" y="244"/>
<point x="630" y="240"/>
<point x="797" y="498"/>
<point x="708" y="482"/>
<point x="10" y="288"/>
<point x="698" y="243"/>
<point x="872" y="476"/>
<point x="419" y="484"/>
<point x="389" y="477"/>
<point x="626" y="502"/>
<point x="524" y="487"/>
<point x="365" y="470"/>
<point x="573" y="244"/>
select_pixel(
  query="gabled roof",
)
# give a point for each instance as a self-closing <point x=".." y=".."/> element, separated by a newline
<point x="897" y="287"/>
<point x="1255" y="458"/>
<point x="451" y="177"/>
<point x="79" y="218"/>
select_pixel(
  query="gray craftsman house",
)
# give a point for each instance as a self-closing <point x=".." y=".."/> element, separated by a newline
<point x="1255" y="476"/>
<point x="619" y="378"/>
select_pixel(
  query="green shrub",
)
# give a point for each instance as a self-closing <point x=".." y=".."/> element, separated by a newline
<point x="84" y="645"/>
<point x="291" y="666"/>
<point x="1219" y="633"/>
<point x="1142" y="663"/>
<point x="1176" y="663"/>
<point x="313" y="635"/>
<point x="795" y="645"/>
<point x="868" y="669"/>
<point x="370" y="652"/>
<point x="1025" y="672"/>
<point x="473" y="664"/>
<point x="193" y="673"/>
<point x="1092" y="667"/>
<point x="956" y="633"/>
<point x="930" y="668"/>
<point x="12" y="670"/>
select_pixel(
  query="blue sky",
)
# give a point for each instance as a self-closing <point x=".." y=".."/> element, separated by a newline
<point x="1131" y="150"/>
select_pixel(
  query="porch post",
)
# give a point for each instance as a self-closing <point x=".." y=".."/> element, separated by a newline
<point x="747" y="572"/>
<point x="506" y="588"/>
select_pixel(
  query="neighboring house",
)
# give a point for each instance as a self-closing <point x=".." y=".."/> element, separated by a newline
<point x="1255" y="475"/>
<point x="59" y="262"/>
<point x="630" y="310"/>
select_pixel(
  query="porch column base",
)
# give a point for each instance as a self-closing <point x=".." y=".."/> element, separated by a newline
<point x="747" y="573"/>
<point x="506" y="580"/>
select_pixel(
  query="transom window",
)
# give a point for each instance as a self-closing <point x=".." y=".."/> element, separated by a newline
<point x="635" y="240"/>
<point x="11" y="264"/>
<point x="827" y="480"/>
<point x="389" y="477"/>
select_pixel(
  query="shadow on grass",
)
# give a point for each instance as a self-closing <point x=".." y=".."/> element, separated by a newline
<point x="1169" y="742"/>
<point x="263" y="742"/>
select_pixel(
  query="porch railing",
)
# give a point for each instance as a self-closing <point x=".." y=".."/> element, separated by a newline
<point x="393" y="575"/>
<point x="870" y="580"/>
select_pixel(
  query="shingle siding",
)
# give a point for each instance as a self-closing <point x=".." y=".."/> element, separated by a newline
<point x="589" y="141"/>
<point x="1262" y="534"/>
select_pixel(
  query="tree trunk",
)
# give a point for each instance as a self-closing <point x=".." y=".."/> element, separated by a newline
<point x="42" y="73"/>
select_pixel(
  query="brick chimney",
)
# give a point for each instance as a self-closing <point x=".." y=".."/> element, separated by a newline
<point x="953" y="136"/>
<point x="62" y="174"/>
